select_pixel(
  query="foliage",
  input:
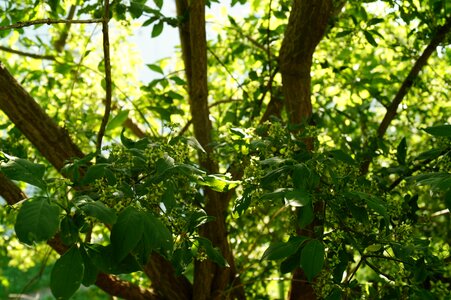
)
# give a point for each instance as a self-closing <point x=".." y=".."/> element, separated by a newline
<point x="299" y="197"/>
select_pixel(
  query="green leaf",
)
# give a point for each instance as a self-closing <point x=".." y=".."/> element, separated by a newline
<point x="156" y="236"/>
<point x="342" y="156"/>
<point x="23" y="170"/>
<point x="98" y="171"/>
<point x="37" y="220"/>
<point x="69" y="231"/>
<point x="441" y="130"/>
<point x="448" y="199"/>
<point x="126" y="232"/>
<point x="136" y="8"/>
<point x="312" y="258"/>
<point x="91" y="271"/>
<point x="369" y="37"/>
<point x="99" y="211"/>
<point x="157" y="29"/>
<point x="401" y="152"/>
<point x="218" y="183"/>
<point x="297" y="198"/>
<point x="213" y="253"/>
<point x="155" y="68"/>
<point x="67" y="274"/>
<point x="118" y="120"/>
<point x="158" y="3"/>
<point x="280" y="250"/>
<point x="305" y="215"/>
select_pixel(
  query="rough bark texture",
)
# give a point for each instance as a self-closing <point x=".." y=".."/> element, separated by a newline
<point x="52" y="141"/>
<point x="306" y="27"/>
<point x="170" y="286"/>
<point x="9" y="191"/>
<point x="210" y="280"/>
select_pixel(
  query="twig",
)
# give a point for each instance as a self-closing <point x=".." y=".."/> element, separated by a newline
<point x="28" y="54"/>
<point x="108" y="85"/>
<point x="48" y="22"/>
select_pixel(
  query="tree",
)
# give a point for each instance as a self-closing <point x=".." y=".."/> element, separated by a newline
<point x="303" y="151"/>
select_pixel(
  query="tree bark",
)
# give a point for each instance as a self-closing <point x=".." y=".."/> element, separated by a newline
<point x="306" y="27"/>
<point x="52" y="141"/>
<point x="210" y="280"/>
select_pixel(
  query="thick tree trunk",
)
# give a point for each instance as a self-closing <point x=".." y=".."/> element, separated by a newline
<point x="306" y="27"/>
<point x="210" y="280"/>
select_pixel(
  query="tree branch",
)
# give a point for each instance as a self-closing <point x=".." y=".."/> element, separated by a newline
<point x="28" y="54"/>
<point x="391" y="113"/>
<point x="48" y="22"/>
<point x="108" y="85"/>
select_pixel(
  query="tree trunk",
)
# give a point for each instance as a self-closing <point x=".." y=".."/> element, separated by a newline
<point x="210" y="280"/>
<point x="306" y="27"/>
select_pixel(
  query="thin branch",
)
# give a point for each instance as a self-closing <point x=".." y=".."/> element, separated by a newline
<point x="108" y="85"/>
<point x="391" y="113"/>
<point x="48" y="22"/>
<point x="413" y="74"/>
<point x="28" y="54"/>
<point x="61" y="42"/>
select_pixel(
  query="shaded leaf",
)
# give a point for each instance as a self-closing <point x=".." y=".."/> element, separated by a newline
<point x="441" y="130"/>
<point x="401" y="152"/>
<point x="23" y="170"/>
<point x="213" y="253"/>
<point x="67" y="274"/>
<point x="126" y="232"/>
<point x="312" y="258"/>
<point x="157" y="29"/>
<point x="99" y="211"/>
<point x="280" y="250"/>
<point x="37" y="220"/>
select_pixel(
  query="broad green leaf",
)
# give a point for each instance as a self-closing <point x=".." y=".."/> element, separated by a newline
<point x="218" y="183"/>
<point x="118" y="120"/>
<point x="290" y="263"/>
<point x="126" y="232"/>
<point x="157" y="29"/>
<point x="90" y="271"/>
<point x="69" y="231"/>
<point x="105" y="260"/>
<point x="23" y="170"/>
<point x="196" y="219"/>
<point x="98" y="171"/>
<point x="213" y="253"/>
<point x="168" y="197"/>
<point x="297" y="198"/>
<point x="305" y="215"/>
<point x="155" y="68"/>
<point x="136" y="8"/>
<point x="312" y="258"/>
<point x="401" y="152"/>
<point x="67" y="274"/>
<point x="441" y="130"/>
<point x="342" y="156"/>
<point x="300" y="175"/>
<point x="437" y="180"/>
<point x="99" y="211"/>
<point x="281" y="250"/>
<point x="156" y="236"/>
<point x="37" y="220"/>
<point x="448" y="199"/>
<point x="158" y="3"/>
